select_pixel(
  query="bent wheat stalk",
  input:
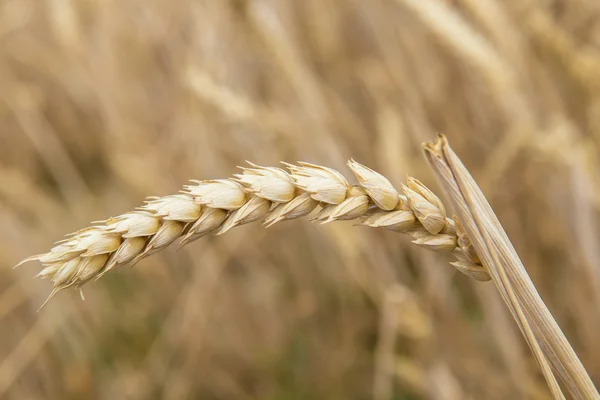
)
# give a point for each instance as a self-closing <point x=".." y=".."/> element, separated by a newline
<point x="274" y="195"/>
<point x="267" y="193"/>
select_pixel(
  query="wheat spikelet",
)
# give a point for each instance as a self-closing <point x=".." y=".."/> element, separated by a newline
<point x="257" y="193"/>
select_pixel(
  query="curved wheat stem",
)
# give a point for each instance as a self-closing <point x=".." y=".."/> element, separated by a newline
<point x="267" y="193"/>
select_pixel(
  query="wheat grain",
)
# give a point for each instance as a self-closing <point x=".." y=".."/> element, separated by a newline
<point x="267" y="193"/>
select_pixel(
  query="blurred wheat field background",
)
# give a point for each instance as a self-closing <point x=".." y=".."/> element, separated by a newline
<point x="105" y="102"/>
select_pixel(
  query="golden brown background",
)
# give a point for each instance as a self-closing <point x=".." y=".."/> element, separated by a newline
<point x="103" y="102"/>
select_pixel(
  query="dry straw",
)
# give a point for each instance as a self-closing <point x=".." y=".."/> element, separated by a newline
<point x="545" y="338"/>
<point x="273" y="195"/>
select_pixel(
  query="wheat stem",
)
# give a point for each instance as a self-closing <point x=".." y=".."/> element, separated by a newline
<point x="545" y="338"/>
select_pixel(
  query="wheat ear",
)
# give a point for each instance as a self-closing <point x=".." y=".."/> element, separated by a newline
<point x="267" y="193"/>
